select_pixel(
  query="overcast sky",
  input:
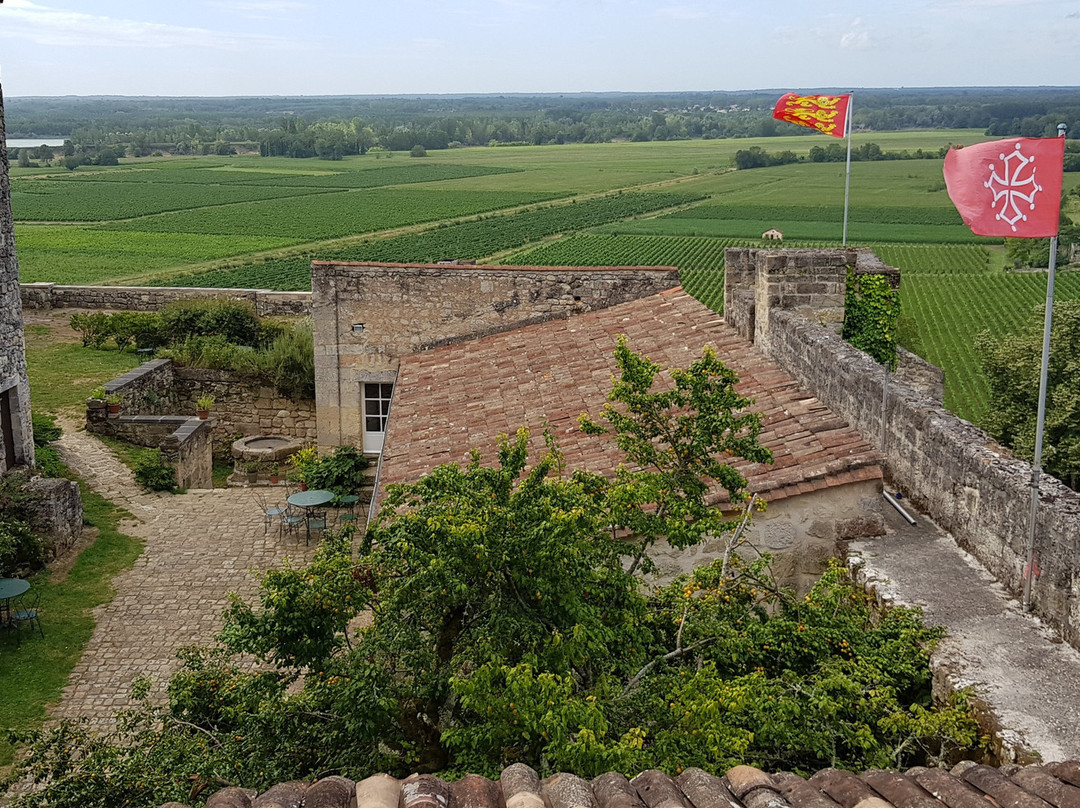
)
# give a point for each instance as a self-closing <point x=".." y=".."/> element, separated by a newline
<point x="329" y="47"/>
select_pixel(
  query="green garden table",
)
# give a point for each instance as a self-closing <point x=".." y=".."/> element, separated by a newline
<point x="309" y="500"/>
<point x="10" y="588"/>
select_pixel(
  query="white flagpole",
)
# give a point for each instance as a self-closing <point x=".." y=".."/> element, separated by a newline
<point x="1040" y="422"/>
<point x="847" y="180"/>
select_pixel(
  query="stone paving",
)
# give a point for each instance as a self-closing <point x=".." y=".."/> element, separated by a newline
<point x="200" y="546"/>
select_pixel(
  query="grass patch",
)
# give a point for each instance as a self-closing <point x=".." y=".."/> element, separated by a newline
<point x="63" y="374"/>
<point x="127" y="453"/>
<point x="33" y="674"/>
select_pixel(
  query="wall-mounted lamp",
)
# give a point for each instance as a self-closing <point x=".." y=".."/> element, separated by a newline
<point x="358" y="328"/>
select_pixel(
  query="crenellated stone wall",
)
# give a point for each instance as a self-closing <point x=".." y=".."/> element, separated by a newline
<point x="948" y="468"/>
<point x="17" y="445"/>
<point x="367" y="316"/>
<point x="46" y="296"/>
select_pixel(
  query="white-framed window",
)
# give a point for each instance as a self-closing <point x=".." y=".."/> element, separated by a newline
<point x="376" y="404"/>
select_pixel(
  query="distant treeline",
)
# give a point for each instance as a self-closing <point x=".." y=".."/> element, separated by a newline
<point x="836" y="152"/>
<point x="332" y="127"/>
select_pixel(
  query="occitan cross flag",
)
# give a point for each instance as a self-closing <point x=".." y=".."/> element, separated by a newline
<point x="826" y="113"/>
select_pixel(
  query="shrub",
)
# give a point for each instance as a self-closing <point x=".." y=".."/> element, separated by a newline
<point x="214" y="352"/>
<point x="289" y="363"/>
<point x="233" y="320"/>
<point x="154" y="473"/>
<point x="95" y="328"/>
<point x="19" y="548"/>
<point x="341" y="472"/>
<point x="143" y="328"/>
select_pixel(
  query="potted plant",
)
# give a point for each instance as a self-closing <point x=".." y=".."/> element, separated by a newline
<point x="252" y="469"/>
<point x="275" y="473"/>
<point x="98" y="393"/>
<point x="114" y="402"/>
<point x="203" y="405"/>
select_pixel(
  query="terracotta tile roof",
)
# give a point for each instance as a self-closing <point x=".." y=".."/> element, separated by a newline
<point x="453" y="398"/>
<point x="967" y="785"/>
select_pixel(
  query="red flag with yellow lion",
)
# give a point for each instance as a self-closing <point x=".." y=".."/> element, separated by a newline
<point x="826" y="113"/>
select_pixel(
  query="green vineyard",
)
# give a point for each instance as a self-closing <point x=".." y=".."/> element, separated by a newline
<point x="467" y="241"/>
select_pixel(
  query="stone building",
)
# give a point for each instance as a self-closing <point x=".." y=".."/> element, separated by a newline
<point x="422" y="363"/>
<point x="16" y="435"/>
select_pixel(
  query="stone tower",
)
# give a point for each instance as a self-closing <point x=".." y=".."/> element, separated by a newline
<point x="16" y="434"/>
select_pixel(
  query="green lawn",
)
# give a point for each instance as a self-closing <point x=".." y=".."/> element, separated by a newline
<point x="33" y="674"/>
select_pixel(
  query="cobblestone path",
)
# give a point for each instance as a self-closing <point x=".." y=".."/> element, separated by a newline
<point x="200" y="546"/>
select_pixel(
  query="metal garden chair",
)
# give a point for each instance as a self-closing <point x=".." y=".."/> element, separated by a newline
<point x="27" y="613"/>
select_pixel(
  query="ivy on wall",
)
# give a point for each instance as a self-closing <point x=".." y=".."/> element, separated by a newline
<point x="871" y="311"/>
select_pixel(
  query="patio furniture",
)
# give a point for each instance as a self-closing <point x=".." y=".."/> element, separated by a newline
<point x="271" y="513"/>
<point x="316" y="520"/>
<point x="309" y="501"/>
<point x="27" y="613"/>
<point x="10" y="590"/>
<point x="292" y="519"/>
<point x="348" y="502"/>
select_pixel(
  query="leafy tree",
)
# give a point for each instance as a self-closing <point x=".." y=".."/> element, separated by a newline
<point x="24" y="158"/>
<point x="1012" y="365"/>
<point x="678" y="440"/>
<point x="418" y="151"/>
<point x="503" y="625"/>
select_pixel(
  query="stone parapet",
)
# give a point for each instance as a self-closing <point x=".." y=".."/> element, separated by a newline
<point x="945" y="466"/>
<point x="151" y="298"/>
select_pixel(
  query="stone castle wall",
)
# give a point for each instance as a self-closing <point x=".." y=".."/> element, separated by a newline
<point x="947" y="467"/>
<point x="45" y="296"/>
<point x="367" y="316"/>
<point x="14" y="387"/>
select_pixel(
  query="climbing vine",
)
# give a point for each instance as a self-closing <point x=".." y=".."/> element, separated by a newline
<point x="871" y="311"/>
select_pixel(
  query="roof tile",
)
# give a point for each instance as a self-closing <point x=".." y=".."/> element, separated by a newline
<point x="844" y="787"/>
<point x="658" y="790"/>
<point x="473" y="791"/>
<point x="424" y="791"/>
<point x="232" y="798"/>
<point x="705" y="790"/>
<point x="331" y="792"/>
<point x="378" y="791"/>
<point x="452" y="398"/>
<point x="285" y="795"/>
<point x="898" y="789"/>
<point x="567" y="791"/>
<point x="613" y="790"/>
<point x="1044" y="784"/>
<point x="1005" y="792"/>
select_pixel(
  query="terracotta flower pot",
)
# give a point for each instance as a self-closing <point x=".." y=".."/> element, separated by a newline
<point x="203" y="414"/>
<point x="114" y="408"/>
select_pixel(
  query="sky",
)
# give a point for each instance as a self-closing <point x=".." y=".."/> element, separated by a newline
<point x="338" y="47"/>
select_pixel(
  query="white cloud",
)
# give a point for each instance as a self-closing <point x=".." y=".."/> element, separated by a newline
<point x="44" y="25"/>
<point x="855" y="40"/>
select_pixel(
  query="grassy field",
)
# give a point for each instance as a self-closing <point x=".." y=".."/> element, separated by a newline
<point x="258" y="222"/>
